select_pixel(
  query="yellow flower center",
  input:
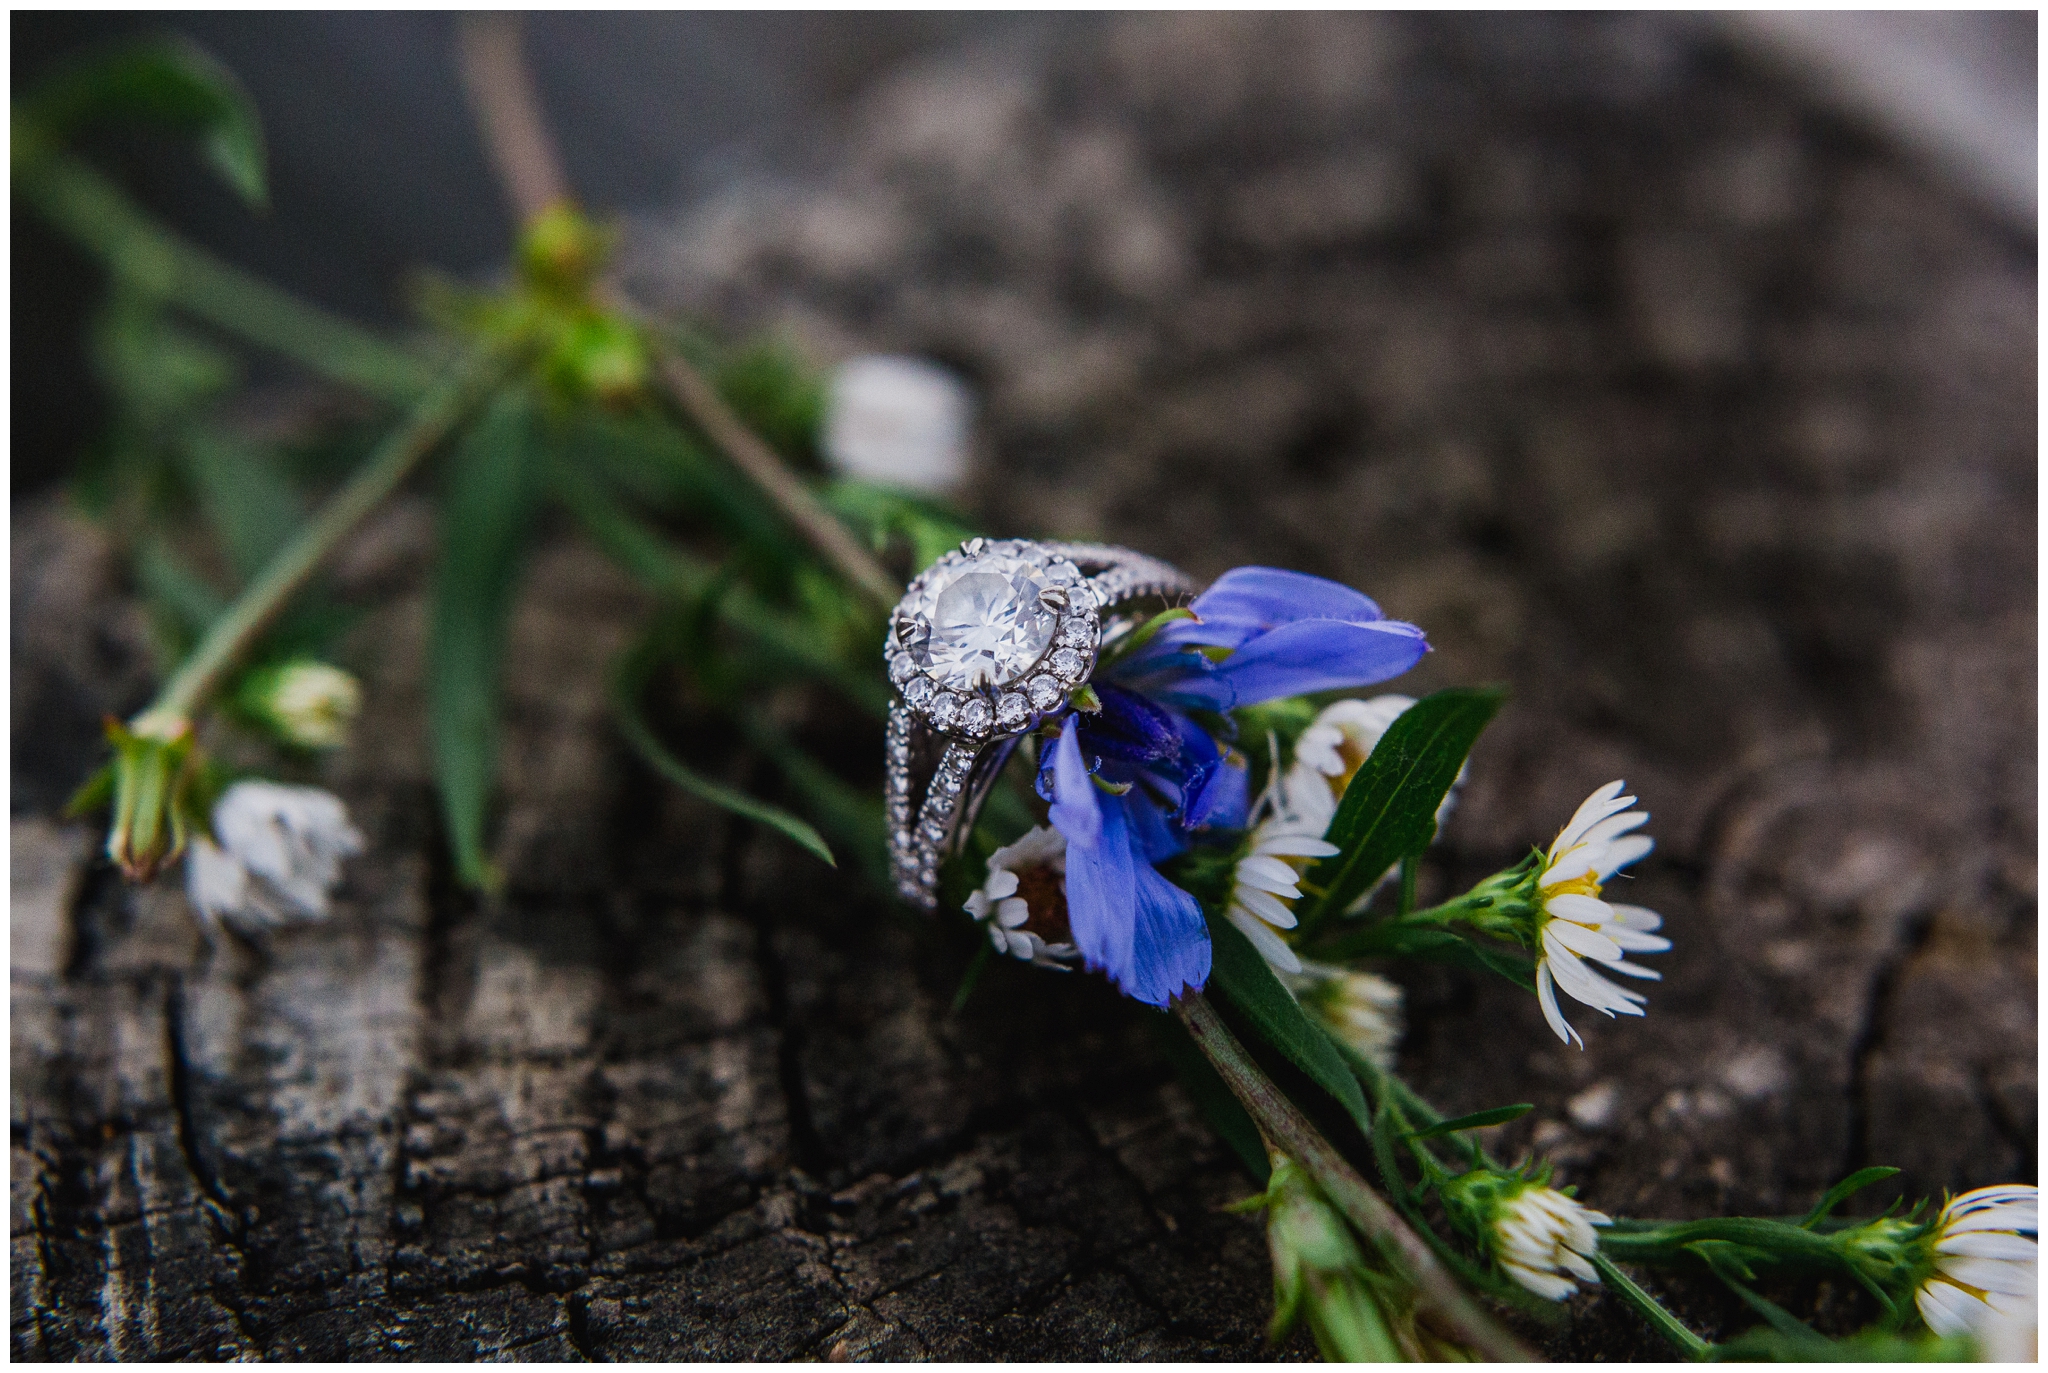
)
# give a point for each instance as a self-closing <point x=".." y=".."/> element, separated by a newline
<point x="1585" y="884"/>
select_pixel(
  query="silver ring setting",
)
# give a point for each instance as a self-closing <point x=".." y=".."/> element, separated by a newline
<point x="989" y="641"/>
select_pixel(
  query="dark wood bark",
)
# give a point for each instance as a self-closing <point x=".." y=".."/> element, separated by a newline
<point x="1701" y="422"/>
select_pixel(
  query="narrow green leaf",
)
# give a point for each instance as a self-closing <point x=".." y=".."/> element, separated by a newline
<point x="636" y="732"/>
<point x="1389" y="810"/>
<point x="1843" y="1190"/>
<point x="492" y="496"/>
<point x="1222" y="1110"/>
<point x="1245" y="978"/>
<point x="1651" y="1310"/>
<point x="169" y="82"/>
<point x="1478" y="1120"/>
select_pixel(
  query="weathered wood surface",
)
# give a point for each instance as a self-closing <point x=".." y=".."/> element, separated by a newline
<point x="1703" y="424"/>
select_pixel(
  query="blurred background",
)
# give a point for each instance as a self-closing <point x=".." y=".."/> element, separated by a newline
<point x="1679" y="372"/>
<point x="376" y="166"/>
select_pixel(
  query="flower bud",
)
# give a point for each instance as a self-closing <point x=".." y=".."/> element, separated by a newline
<point x="599" y="356"/>
<point x="560" y="251"/>
<point x="1363" y="1010"/>
<point x="1541" y="1237"/>
<point x="1319" y="1271"/>
<point x="152" y="776"/>
<point x="305" y="703"/>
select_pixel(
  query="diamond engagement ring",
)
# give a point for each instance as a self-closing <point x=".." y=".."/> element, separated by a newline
<point x="990" y="641"/>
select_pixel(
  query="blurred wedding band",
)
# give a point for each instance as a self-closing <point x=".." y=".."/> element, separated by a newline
<point x="899" y="421"/>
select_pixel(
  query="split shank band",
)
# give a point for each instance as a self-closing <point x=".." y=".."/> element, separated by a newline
<point x="989" y="642"/>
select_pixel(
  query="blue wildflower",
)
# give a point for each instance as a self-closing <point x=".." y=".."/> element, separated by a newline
<point x="1130" y="782"/>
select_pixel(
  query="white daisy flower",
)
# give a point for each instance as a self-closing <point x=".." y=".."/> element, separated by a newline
<point x="1986" y="1264"/>
<point x="274" y="857"/>
<point x="1263" y="896"/>
<point x="1540" y="1236"/>
<point x="1573" y="921"/>
<point x="1361" y="1009"/>
<point x="1023" y="900"/>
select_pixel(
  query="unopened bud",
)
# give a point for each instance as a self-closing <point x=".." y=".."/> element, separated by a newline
<point x="560" y="251"/>
<point x="152" y="772"/>
<point x="1319" y="1271"/>
<point x="305" y="703"/>
<point x="600" y="356"/>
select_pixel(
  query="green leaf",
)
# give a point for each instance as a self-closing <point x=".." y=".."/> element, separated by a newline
<point x="635" y="729"/>
<point x="1389" y="810"/>
<point x="1245" y="978"/>
<point x="169" y="82"/>
<point x="1478" y="1120"/>
<point x="1223" y="1111"/>
<point x="1843" y="1190"/>
<point x="493" y="490"/>
<point x="984" y="954"/>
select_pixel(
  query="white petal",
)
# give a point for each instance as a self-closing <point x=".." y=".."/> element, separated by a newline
<point x="1269" y="944"/>
<point x="1542" y="1284"/>
<point x="1547" y="998"/>
<point x="1268" y="874"/>
<point x="1637" y="917"/>
<point x="1264" y="905"/>
<point x="2007" y="1217"/>
<point x="1628" y="849"/>
<point x="1591" y="812"/>
<point x="1628" y="969"/>
<point x="1992" y="1275"/>
<point x="1013" y="911"/>
<point x="1578" y="1267"/>
<point x="1990" y="1245"/>
<point x="1588" y="911"/>
<point x="1581" y="940"/>
<point x="1001" y="883"/>
<point x="1295" y="846"/>
<point x="1613" y="827"/>
<point x="1581" y="984"/>
<point x="1634" y="941"/>
<point x="1946" y="1309"/>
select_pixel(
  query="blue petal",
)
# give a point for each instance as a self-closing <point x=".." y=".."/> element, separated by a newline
<point x="1220" y="797"/>
<point x="1102" y="879"/>
<point x="1293" y="660"/>
<point x="1129" y="922"/>
<point x="1076" y="810"/>
<point x="1247" y="601"/>
<point x="1131" y="728"/>
<point x="1153" y="836"/>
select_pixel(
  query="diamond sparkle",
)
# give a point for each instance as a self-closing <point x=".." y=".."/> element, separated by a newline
<point x="986" y="624"/>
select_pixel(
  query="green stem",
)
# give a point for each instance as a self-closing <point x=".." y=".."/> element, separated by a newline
<point x="230" y="635"/>
<point x="92" y="211"/>
<point x="1652" y="1310"/>
<point x="1289" y="1131"/>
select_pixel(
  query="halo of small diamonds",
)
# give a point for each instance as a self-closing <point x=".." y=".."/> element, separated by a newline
<point x="992" y="637"/>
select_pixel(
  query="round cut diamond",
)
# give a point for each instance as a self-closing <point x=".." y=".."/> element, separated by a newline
<point x="1044" y="692"/>
<point x="1068" y="664"/>
<point x="918" y="690"/>
<point x="945" y="710"/>
<point x="1012" y="710"/>
<point x="1075" y="633"/>
<point x="974" y="715"/>
<point x="984" y="624"/>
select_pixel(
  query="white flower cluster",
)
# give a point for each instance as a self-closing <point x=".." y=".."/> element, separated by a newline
<point x="274" y="857"/>
<point x="1002" y="905"/>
